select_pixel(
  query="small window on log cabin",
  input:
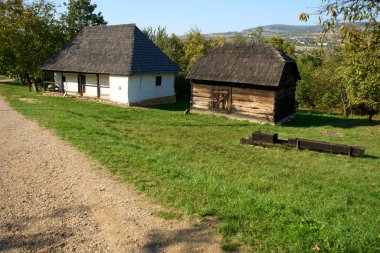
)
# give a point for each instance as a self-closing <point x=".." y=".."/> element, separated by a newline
<point x="158" y="80"/>
<point x="63" y="79"/>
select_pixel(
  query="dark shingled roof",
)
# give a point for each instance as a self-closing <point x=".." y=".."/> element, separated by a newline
<point x="119" y="49"/>
<point x="244" y="62"/>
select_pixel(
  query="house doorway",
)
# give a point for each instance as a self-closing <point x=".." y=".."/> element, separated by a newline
<point x="221" y="99"/>
<point x="82" y="84"/>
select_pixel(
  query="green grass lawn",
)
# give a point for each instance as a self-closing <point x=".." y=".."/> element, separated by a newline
<point x="281" y="200"/>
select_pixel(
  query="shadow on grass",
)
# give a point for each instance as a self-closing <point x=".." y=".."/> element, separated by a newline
<point x="305" y="118"/>
<point x="177" y="107"/>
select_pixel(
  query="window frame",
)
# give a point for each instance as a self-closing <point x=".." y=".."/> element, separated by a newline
<point x="158" y="81"/>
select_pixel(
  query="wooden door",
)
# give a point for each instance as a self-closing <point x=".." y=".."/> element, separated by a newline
<point x="81" y="84"/>
<point x="221" y="99"/>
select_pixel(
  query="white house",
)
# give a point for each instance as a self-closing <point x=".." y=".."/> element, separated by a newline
<point x="114" y="62"/>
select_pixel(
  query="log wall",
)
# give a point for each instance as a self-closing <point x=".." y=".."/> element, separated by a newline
<point x="249" y="103"/>
<point x="254" y="103"/>
<point x="285" y="97"/>
<point x="201" y="96"/>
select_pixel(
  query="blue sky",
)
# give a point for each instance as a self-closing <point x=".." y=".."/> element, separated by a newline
<point x="208" y="15"/>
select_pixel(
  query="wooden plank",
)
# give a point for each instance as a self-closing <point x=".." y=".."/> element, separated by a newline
<point x="252" y="98"/>
<point x="252" y="107"/>
<point x="243" y="98"/>
<point x="254" y="92"/>
<point x="199" y="100"/>
<point x="253" y="113"/>
<point x="198" y="106"/>
<point x="229" y="105"/>
<point x="207" y="96"/>
<point x="201" y="87"/>
<point x="62" y="84"/>
<point x="201" y="94"/>
<point x="98" y="85"/>
<point x="264" y="137"/>
<point x="201" y="91"/>
<point x="326" y="147"/>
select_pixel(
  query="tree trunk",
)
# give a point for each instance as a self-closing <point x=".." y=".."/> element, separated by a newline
<point x="343" y="99"/>
<point x="345" y="111"/>
<point x="30" y="83"/>
<point x="370" y="118"/>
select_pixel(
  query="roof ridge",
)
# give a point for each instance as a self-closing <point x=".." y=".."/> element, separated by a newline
<point x="110" y="26"/>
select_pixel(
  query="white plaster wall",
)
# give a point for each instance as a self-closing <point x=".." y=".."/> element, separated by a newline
<point x="71" y="84"/>
<point x="91" y="91"/>
<point x="104" y="85"/>
<point x="144" y="87"/>
<point x="58" y="79"/>
<point x="119" y="88"/>
<point x="122" y="89"/>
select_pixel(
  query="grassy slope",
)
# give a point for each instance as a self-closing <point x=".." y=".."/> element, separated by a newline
<point x="271" y="199"/>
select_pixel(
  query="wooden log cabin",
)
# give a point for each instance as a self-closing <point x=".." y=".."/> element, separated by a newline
<point x="248" y="81"/>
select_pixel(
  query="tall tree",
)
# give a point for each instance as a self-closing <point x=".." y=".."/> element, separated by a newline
<point x="159" y="36"/>
<point x="359" y="68"/>
<point x="80" y="13"/>
<point x="29" y="35"/>
<point x="172" y="46"/>
<point x="196" y="46"/>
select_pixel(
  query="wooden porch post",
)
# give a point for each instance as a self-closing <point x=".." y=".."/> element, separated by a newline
<point x="98" y="84"/>
<point x="62" y="85"/>
<point x="80" y="87"/>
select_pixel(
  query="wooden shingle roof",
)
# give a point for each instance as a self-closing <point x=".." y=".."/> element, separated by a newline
<point x="118" y="49"/>
<point x="244" y="62"/>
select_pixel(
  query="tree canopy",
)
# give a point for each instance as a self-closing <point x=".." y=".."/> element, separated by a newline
<point x="80" y="13"/>
<point x="357" y="71"/>
<point x="32" y="31"/>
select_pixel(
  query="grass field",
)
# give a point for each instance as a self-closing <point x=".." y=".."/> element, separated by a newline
<point x="280" y="200"/>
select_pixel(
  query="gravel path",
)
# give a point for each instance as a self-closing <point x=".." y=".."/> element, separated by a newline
<point x="54" y="198"/>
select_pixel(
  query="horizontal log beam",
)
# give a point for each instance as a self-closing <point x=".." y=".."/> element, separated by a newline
<point x="326" y="147"/>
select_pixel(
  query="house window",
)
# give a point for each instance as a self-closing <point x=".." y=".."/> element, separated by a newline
<point x="158" y="80"/>
<point x="63" y="79"/>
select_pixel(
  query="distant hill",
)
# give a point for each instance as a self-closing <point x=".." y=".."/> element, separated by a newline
<point x="287" y="29"/>
<point x="284" y="30"/>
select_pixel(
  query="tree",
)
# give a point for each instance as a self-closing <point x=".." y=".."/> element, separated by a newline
<point x="172" y="46"/>
<point x="343" y="12"/>
<point x="29" y="35"/>
<point x="359" y="68"/>
<point x="239" y="38"/>
<point x="283" y="46"/>
<point x="80" y="13"/>
<point x="196" y="46"/>
<point x="159" y="36"/>
<point x="308" y="91"/>
<point x="257" y="35"/>
<point x="361" y="76"/>
<point x="217" y="42"/>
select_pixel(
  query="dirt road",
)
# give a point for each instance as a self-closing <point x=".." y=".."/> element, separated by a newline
<point x="54" y="198"/>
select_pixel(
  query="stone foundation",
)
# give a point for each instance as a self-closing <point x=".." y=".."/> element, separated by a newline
<point x="155" y="101"/>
